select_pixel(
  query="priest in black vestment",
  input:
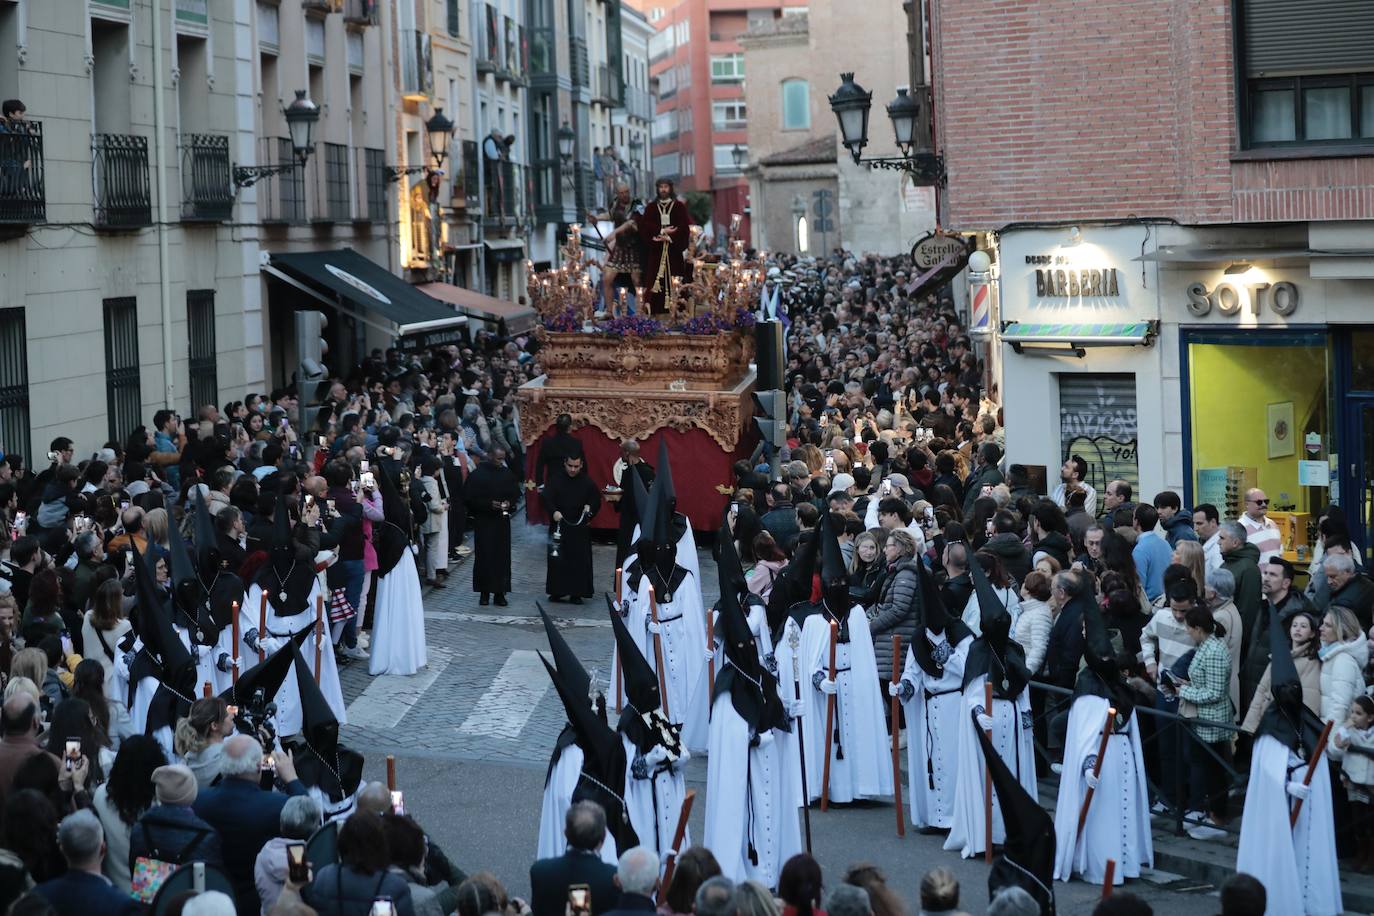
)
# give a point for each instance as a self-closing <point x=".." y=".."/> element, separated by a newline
<point x="491" y="492"/>
<point x="570" y="500"/>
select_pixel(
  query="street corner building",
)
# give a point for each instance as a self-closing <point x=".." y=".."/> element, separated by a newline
<point x="1177" y="236"/>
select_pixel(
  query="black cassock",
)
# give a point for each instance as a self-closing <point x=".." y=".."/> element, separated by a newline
<point x="629" y="512"/>
<point x="570" y="573"/>
<point x="490" y="526"/>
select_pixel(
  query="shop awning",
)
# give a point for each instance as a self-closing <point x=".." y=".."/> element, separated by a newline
<point x="1193" y="256"/>
<point x="372" y="294"/>
<point x="519" y="319"/>
<point x="1073" y="339"/>
<point x="505" y="249"/>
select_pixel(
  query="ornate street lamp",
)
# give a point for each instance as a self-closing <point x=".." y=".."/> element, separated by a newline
<point x="904" y="111"/>
<point x="851" y="104"/>
<point x="740" y="155"/>
<point x="301" y="116"/>
<point x="567" y="139"/>
<point x="440" y="130"/>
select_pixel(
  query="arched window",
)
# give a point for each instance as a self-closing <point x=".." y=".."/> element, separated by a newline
<point x="803" y="236"/>
<point x="796" y="105"/>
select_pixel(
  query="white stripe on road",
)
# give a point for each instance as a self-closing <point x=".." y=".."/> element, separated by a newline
<point x="563" y="623"/>
<point x="390" y="696"/>
<point x="507" y="704"/>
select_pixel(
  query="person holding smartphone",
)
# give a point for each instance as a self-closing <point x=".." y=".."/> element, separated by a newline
<point x="362" y="880"/>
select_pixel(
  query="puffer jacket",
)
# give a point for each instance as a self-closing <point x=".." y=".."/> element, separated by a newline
<point x="1309" y="675"/>
<point x="895" y="613"/>
<point x="1033" y="632"/>
<point x="1342" y="676"/>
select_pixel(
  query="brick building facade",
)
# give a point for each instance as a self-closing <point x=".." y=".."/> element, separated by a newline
<point x="1218" y="160"/>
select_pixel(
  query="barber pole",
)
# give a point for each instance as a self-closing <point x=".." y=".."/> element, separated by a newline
<point x="982" y="291"/>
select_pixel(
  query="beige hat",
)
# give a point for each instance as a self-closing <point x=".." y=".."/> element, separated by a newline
<point x="176" y="785"/>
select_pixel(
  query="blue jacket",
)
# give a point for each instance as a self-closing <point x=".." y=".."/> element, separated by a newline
<point x="1179" y="527"/>
<point x="1152" y="555"/>
<point x="79" y="893"/>
<point x="173" y="833"/>
<point x="245" y="817"/>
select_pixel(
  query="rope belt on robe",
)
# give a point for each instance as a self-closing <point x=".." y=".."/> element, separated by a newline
<point x="930" y="736"/>
<point x="663" y="278"/>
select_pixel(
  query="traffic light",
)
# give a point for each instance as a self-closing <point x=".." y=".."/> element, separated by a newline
<point x="771" y="420"/>
<point x="311" y="373"/>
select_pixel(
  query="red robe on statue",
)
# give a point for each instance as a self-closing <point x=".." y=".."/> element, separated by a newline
<point x="664" y="233"/>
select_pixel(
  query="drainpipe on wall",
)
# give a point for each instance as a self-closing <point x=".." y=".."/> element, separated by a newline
<point x="160" y="165"/>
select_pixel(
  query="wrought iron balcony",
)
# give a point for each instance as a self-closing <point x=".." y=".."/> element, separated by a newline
<point x="207" y="193"/>
<point x="22" y="197"/>
<point x="370" y="187"/>
<point x="119" y="170"/>
<point x="580" y="64"/>
<point x="609" y="91"/>
<point x="360" y="12"/>
<point x="323" y="6"/>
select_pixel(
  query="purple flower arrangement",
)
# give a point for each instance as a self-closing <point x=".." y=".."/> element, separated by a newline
<point x="570" y="320"/>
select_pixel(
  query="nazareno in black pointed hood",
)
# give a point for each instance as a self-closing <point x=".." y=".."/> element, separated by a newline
<point x="565" y="661"/>
<point x="729" y="570"/>
<point x="641" y="716"/>
<point x="1287" y="719"/>
<point x="752" y="688"/>
<point x="640" y="497"/>
<point x="189" y="598"/>
<point x="602" y="778"/>
<point x="994" y="653"/>
<point x="1101" y="676"/>
<point x="320" y="760"/>
<point x="1027" y="859"/>
<point x="288" y="577"/>
<point x="208" y="557"/>
<point x="932" y="616"/>
<point x="665" y="474"/>
<point x="222" y="584"/>
<point x="164" y="656"/>
<point x="267" y="675"/>
<point x="391" y="536"/>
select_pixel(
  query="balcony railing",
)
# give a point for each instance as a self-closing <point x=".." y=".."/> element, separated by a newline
<point x="464" y="190"/>
<point x="370" y="185"/>
<point x="206" y="190"/>
<point x="323" y="6"/>
<point x="119" y="170"/>
<point x="638" y="103"/>
<point x="360" y="12"/>
<point x="490" y="50"/>
<point x="580" y="63"/>
<point x="609" y="89"/>
<point x="333" y="201"/>
<point x="417" y="64"/>
<point x="543" y="51"/>
<point x="22" y="196"/>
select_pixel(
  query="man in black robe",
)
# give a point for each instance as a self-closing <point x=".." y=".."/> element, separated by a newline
<point x="633" y="466"/>
<point x="491" y="493"/>
<point x="571" y="500"/>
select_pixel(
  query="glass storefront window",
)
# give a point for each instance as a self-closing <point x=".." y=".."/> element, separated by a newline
<point x="1252" y="407"/>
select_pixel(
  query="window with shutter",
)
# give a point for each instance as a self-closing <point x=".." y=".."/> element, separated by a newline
<point x="1308" y="72"/>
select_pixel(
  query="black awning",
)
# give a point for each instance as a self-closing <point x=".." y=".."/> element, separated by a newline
<point x="347" y="277"/>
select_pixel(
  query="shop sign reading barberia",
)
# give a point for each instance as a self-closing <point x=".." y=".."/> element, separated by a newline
<point x="1072" y="283"/>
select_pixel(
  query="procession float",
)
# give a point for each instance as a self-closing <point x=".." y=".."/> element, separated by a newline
<point x="682" y="374"/>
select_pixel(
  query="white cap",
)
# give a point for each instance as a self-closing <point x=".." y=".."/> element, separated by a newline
<point x="841" y="483"/>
